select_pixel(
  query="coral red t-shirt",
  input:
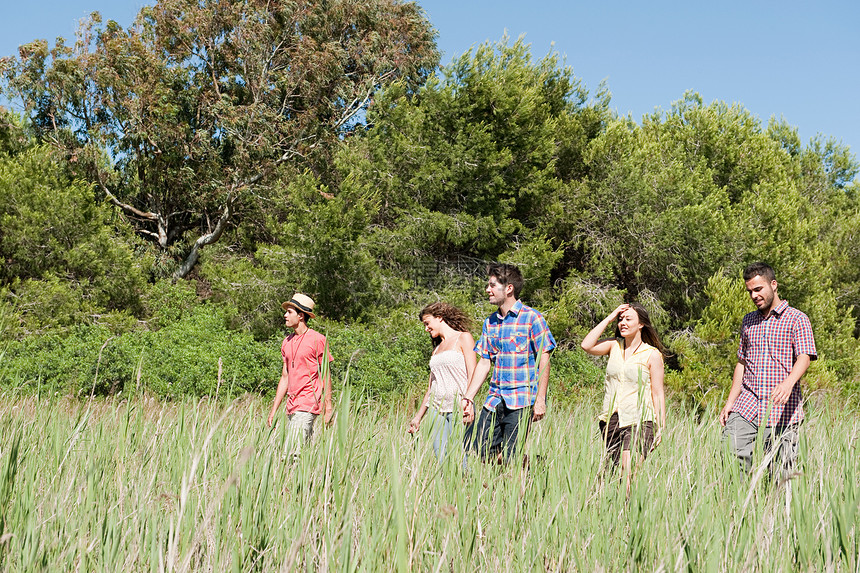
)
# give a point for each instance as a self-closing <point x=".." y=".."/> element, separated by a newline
<point x="303" y="357"/>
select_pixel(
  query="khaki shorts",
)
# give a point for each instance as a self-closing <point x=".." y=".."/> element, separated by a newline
<point x="299" y="431"/>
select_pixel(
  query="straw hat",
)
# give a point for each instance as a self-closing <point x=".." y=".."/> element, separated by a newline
<point x="301" y="302"/>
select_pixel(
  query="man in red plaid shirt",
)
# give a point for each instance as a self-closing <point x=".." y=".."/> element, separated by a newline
<point x="776" y="348"/>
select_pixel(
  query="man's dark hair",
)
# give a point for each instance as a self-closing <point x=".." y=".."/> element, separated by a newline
<point x="763" y="270"/>
<point x="303" y="316"/>
<point x="507" y="275"/>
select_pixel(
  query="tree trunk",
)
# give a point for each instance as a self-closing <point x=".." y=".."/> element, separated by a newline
<point x="207" y="239"/>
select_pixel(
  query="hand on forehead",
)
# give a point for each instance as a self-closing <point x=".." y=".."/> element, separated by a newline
<point x="629" y="313"/>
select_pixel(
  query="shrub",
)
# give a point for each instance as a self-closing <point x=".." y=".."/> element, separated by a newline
<point x="179" y="359"/>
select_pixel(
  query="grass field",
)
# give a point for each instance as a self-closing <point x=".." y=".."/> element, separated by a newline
<point x="143" y="485"/>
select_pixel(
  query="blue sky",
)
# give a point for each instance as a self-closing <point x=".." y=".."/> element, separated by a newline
<point x="798" y="60"/>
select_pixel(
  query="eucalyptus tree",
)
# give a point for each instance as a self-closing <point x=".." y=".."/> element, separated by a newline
<point x="186" y="115"/>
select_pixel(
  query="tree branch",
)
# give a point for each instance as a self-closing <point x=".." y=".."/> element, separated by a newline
<point x="150" y="234"/>
<point x="207" y="239"/>
<point x="358" y="103"/>
<point x="128" y="209"/>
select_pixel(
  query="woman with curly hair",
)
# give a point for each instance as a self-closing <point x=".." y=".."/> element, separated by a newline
<point x="451" y="365"/>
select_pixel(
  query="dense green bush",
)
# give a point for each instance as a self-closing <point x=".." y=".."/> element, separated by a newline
<point x="383" y="360"/>
<point x="253" y="287"/>
<point x="572" y="371"/>
<point x="168" y="301"/>
<point x="386" y="360"/>
<point x="181" y="358"/>
<point x="51" y="226"/>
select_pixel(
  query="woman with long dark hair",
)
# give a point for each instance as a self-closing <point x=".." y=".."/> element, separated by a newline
<point x="634" y="401"/>
<point x="451" y="365"/>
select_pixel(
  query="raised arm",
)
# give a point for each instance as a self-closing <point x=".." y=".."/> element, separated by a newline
<point x="592" y="343"/>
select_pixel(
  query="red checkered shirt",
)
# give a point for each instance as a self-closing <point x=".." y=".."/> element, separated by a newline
<point x="768" y="349"/>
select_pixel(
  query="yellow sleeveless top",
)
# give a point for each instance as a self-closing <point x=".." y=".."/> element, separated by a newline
<point x="628" y="385"/>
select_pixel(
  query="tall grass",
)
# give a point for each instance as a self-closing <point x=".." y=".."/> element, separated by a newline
<point x="143" y="485"/>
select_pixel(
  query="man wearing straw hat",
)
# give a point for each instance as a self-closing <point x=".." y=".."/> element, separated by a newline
<point x="306" y="376"/>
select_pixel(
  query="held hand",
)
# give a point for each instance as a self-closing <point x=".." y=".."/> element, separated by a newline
<point x="468" y="411"/>
<point x="617" y="312"/>
<point x="539" y="410"/>
<point x="413" y="425"/>
<point x="328" y="414"/>
<point x="782" y="392"/>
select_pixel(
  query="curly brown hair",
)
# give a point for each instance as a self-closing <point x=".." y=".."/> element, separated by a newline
<point x="453" y="317"/>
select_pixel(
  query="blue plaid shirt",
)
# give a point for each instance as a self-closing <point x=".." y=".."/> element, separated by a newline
<point x="514" y="343"/>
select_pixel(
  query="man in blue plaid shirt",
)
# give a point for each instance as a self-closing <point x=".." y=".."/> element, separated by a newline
<point x="516" y="343"/>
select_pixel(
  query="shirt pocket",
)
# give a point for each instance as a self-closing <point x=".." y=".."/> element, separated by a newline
<point x="520" y="341"/>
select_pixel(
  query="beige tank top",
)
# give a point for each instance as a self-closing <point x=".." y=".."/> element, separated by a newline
<point x="447" y="378"/>
<point x="628" y="385"/>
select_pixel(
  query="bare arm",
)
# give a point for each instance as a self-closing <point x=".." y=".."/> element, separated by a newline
<point x="543" y="384"/>
<point x="592" y="343"/>
<point x="328" y="409"/>
<point x="422" y="410"/>
<point x="737" y="382"/>
<point x="283" y="384"/>
<point x="324" y="360"/>
<point x="658" y="392"/>
<point x="783" y="390"/>
<point x="467" y="346"/>
<point x="478" y="377"/>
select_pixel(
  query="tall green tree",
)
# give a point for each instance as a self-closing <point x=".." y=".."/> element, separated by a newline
<point x="470" y="164"/>
<point x="689" y="192"/>
<point x="185" y="116"/>
<point x="64" y="260"/>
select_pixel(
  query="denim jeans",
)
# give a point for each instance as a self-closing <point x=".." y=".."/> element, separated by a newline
<point x="441" y="428"/>
<point x="498" y="431"/>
